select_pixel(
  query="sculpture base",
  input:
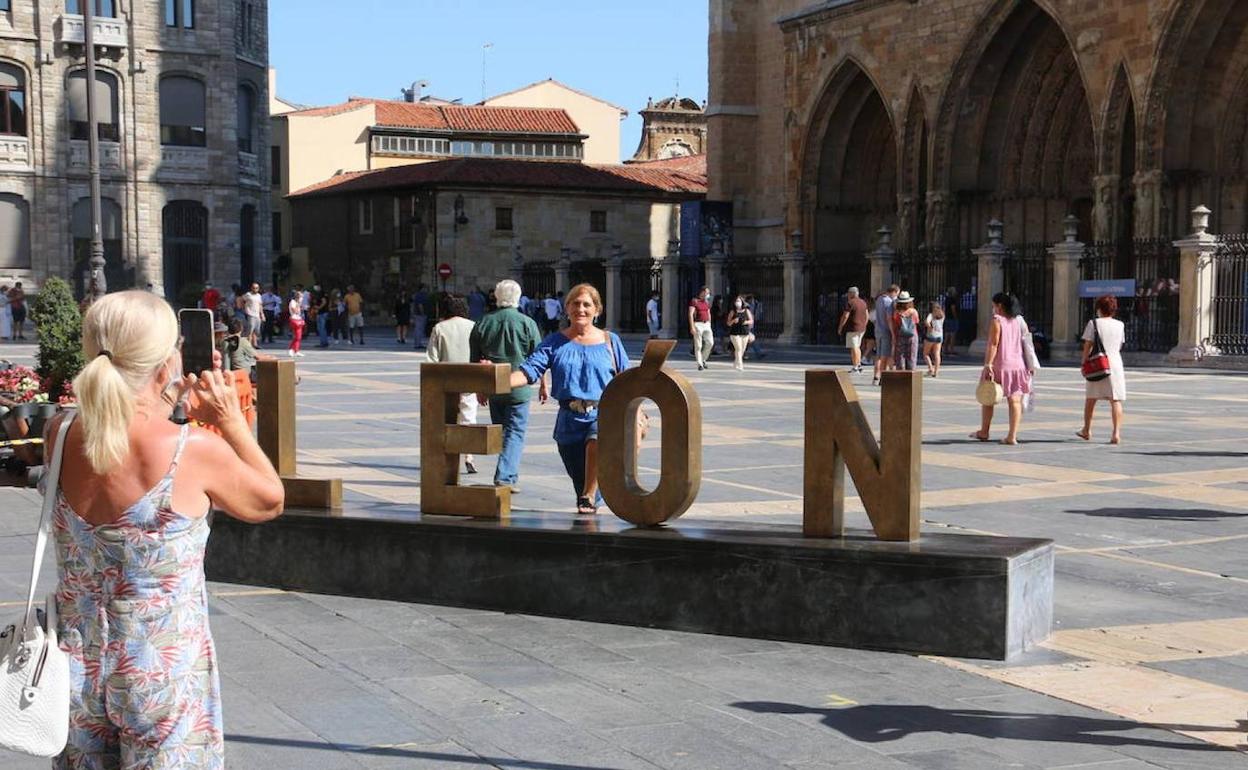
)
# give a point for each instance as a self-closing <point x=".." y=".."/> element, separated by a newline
<point x="957" y="595"/>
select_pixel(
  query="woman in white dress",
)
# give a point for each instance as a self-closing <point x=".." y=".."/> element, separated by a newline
<point x="6" y="314"/>
<point x="1114" y="387"/>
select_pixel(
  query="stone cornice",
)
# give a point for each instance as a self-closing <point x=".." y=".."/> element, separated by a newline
<point x="828" y="9"/>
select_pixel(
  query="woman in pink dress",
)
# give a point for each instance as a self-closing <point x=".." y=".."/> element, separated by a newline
<point x="1006" y="364"/>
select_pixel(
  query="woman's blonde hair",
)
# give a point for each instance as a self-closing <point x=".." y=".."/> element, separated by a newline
<point x="126" y="336"/>
<point x="584" y="288"/>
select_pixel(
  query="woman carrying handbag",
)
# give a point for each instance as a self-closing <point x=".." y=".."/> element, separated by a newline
<point x="1102" y="367"/>
<point x="1006" y="363"/>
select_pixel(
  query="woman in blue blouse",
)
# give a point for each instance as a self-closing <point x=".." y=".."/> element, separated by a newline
<point x="581" y="359"/>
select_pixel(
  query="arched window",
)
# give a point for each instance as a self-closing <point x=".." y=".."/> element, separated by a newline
<point x="115" y="273"/>
<point x="247" y="244"/>
<point x="246" y="117"/>
<point x="182" y="112"/>
<point x="12" y="100"/>
<point x="107" y="122"/>
<point x="185" y="249"/>
<point x="14" y="231"/>
<point x="101" y="8"/>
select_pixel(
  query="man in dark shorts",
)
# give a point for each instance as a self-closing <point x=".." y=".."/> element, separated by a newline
<point x="853" y="324"/>
<point x="17" y="304"/>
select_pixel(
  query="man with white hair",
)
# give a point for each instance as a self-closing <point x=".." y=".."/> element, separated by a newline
<point x="507" y="336"/>
<point x="853" y="324"/>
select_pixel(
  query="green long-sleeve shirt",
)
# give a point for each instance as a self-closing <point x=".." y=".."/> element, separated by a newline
<point x="506" y="336"/>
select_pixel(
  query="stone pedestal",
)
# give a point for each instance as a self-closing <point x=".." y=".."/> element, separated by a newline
<point x="713" y="263"/>
<point x="881" y="263"/>
<point x="1198" y="252"/>
<point x="991" y="281"/>
<point x="1066" y="306"/>
<point x="563" y="271"/>
<point x="669" y="300"/>
<point x="794" y="298"/>
<point x="944" y="594"/>
<point x="612" y="297"/>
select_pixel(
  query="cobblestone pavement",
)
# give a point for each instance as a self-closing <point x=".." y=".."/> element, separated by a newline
<point x="1148" y="665"/>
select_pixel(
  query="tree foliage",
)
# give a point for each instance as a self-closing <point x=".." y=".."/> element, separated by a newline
<point x="58" y="323"/>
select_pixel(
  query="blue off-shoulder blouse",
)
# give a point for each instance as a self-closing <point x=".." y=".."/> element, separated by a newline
<point x="576" y="371"/>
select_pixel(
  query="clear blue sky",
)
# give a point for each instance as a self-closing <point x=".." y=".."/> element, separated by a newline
<point x="621" y="51"/>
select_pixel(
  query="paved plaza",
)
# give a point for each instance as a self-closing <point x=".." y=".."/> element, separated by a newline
<point x="1147" y="666"/>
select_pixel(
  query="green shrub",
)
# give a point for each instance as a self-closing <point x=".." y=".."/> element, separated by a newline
<point x="58" y="323"/>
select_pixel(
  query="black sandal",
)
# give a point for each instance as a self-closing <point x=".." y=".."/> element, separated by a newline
<point x="585" y="506"/>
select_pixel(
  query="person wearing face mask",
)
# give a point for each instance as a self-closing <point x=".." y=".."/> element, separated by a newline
<point x="130" y="524"/>
<point x="740" y="325"/>
<point x="700" y="327"/>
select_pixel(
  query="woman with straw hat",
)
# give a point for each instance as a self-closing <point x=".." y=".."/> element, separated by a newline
<point x="906" y="330"/>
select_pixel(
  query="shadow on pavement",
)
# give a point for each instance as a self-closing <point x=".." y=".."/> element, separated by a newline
<point x="404" y="753"/>
<point x="1190" y="453"/>
<point x="1160" y="514"/>
<point x="883" y="723"/>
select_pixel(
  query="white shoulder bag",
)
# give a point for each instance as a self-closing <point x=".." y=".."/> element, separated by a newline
<point x="34" y="672"/>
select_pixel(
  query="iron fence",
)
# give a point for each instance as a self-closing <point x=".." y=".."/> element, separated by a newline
<point x="638" y="278"/>
<point x="760" y="275"/>
<point x="1230" y="296"/>
<point x="828" y="276"/>
<point x="947" y="276"/>
<point x="1029" y="276"/>
<point x="689" y="278"/>
<point x="1151" y="317"/>
<point x="538" y="278"/>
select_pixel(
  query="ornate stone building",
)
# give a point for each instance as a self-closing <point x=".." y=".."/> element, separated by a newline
<point x="181" y="91"/>
<point x="934" y="116"/>
<point x="674" y="127"/>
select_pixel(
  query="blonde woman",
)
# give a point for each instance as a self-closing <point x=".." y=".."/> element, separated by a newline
<point x="130" y="525"/>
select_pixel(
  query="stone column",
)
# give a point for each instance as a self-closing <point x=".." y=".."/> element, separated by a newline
<point x="991" y="281"/>
<point x="1197" y="267"/>
<point x="563" y="270"/>
<point x="612" y="298"/>
<point x="670" y="301"/>
<point x="714" y="266"/>
<point x="517" y="264"/>
<point x="1066" y="256"/>
<point x="937" y="217"/>
<point x="1105" y="209"/>
<point x="881" y="262"/>
<point x="794" y="262"/>
<point x="1148" y="203"/>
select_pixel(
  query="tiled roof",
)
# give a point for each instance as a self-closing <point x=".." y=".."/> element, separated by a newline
<point x="562" y="85"/>
<point x="496" y="172"/>
<point x="695" y="164"/>
<point x="456" y="117"/>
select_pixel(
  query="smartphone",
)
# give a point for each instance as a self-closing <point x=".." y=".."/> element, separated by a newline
<point x="196" y="325"/>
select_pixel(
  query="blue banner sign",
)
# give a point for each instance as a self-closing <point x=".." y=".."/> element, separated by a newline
<point x="1113" y="287"/>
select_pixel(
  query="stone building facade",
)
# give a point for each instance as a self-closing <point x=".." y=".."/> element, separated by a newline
<point x="674" y="127"/>
<point x="933" y="116"/>
<point x="182" y="91"/>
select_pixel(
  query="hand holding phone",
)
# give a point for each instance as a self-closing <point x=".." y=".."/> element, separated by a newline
<point x="197" y="345"/>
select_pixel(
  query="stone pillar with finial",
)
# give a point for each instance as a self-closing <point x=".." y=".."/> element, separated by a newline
<point x="714" y="266"/>
<point x="991" y="258"/>
<point x="670" y="301"/>
<point x="563" y="270"/>
<point x="613" y="295"/>
<point x="1198" y="254"/>
<point x="1065" y="257"/>
<point x="794" y="263"/>
<point x="881" y="262"/>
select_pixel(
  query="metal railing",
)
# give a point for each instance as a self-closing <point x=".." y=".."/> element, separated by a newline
<point x="1029" y="276"/>
<point x="537" y="278"/>
<point x="1230" y="296"/>
<point x="948" y="276"/>
<point x="638" y="278"/>
<point x="1151" y="317"/>
<point x="762" y="276"/>
<point x="829" y="275"/>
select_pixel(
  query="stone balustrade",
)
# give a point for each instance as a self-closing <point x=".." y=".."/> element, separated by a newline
<point x="110" y="155"/>
<point x="14" y="152"/>
<point x="181" y="162"/>
<point x="71" y="28"/>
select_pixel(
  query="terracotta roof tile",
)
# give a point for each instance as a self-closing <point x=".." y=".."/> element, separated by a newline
<point x="456" y="117"/>
<point x="495" y="172"/>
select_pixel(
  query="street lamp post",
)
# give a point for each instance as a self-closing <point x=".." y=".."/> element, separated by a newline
<point x="98" y="285"/>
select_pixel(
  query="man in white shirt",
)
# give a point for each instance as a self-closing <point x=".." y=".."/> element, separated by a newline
<point x="271" y="301"/>
<point x="253" y="314"/>
<point x="652" y="315"/>
<point x="553" y="308"/>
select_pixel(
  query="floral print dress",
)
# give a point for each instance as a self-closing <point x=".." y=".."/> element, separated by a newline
<point x="144" y="690"/>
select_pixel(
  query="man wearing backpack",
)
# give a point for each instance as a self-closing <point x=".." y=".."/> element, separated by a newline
<point x="884" y="331"/>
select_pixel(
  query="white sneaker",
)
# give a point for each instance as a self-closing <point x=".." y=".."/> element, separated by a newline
<point x="300" y="354"/>
<point x="290" y="352"/>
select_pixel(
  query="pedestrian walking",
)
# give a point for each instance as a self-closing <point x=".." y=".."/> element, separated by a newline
<point x="853" y="324"/>
<point x="130" y="523"/>
<point x="476" y="304"/>
<point x="508" y="336"/>
<point x="271" y="301"/>
<point x="6" y="314"/>
<point x="884" y="331"/>
<point x="450" y="343"/>
<point x="420" y="315"/>
<point x="740" y="326"/>
<point x="17" y="310"/>
<point x="652" y="315"/>
<point x="756" y="311"/>
<point x="906" y="330"/>
<point x="581" y="360"/>
<point x="933" y="338"/>
<point x="355" y="314"/>
<point x="949" y="303"/>
<point x="402" y="316"/>
<point x="210" y="299"/>
<point x="1006" y="363"/>
<point x="294" y="311"/>
<point x="337" y="316"/>
<point x="700" y="327"/>
<point x="1111" y="333"/>
<point x="552" y="308"/>
<point x="253" y="313"/>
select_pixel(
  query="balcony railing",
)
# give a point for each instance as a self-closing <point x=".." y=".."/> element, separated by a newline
<point x="183" y="161"/>
<point x="14" y="151"/>
<point x="110" y="155"/>
<point x="71" y="28"/>
<point x="248" y="167"/>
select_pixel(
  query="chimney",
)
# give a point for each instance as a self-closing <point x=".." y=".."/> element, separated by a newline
<point x="413" y="94"/>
